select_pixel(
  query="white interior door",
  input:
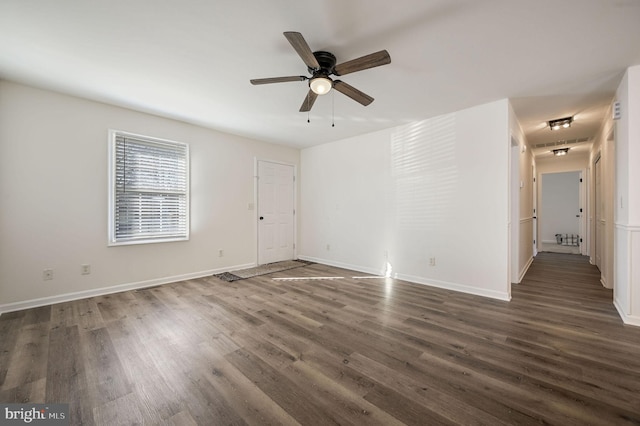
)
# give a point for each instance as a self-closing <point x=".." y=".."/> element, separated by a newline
<point x="275" y="212"/>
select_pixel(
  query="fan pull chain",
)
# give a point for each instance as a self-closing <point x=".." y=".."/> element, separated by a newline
<point x="333" y="108"/>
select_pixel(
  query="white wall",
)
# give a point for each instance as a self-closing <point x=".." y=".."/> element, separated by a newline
<point x="569" y="163"/>
<point x="560" y="204"/>
<point x="53" y="187"/>
<point x="434" y="188"/>
<point x="627" y="199"/>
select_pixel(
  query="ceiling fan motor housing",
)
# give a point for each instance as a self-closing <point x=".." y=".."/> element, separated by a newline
<point x="327" y="63"/>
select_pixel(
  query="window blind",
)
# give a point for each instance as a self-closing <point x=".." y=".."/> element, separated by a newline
<point x="150" y="190"/>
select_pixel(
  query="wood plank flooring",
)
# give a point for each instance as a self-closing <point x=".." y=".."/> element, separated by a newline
<point x="361" y="351"/>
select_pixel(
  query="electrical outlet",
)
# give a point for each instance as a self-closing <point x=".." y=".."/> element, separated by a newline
<point x="47" y="274"/>
<point x="432" y="261"/>
<point x="85" y="269"/>
<point x="328" y="247"/>
<point x="220" y="253"/>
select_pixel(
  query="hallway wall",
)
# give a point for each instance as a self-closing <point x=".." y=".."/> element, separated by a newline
<point x="521" y="216"/>
<point x="626" y="287"/>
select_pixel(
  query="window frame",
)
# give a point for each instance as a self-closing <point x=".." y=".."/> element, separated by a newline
<point x="112" y="239"/>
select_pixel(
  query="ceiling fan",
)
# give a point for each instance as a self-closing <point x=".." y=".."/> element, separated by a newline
<point x="321" y="66"/>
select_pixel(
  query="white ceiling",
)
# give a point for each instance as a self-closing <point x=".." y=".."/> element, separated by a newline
<point x="192" y="59"/>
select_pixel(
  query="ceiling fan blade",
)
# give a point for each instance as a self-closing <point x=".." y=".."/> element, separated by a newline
<point x="365" y="62"/>
<point x="277" y="79"/>
<point x="308" y="101"/>
<point x="352" y="92"/>
<point x="304" y="51"/>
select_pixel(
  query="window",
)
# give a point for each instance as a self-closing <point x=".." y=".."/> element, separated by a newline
<point x="149" y="189"/>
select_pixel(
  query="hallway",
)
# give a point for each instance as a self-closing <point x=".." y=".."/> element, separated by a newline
<point x="568" y="285"/>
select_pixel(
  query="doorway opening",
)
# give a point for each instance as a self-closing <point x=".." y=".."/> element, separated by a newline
<point x="560" y="214"/>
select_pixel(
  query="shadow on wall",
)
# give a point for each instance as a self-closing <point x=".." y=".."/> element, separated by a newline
<point x="424" y="173"/>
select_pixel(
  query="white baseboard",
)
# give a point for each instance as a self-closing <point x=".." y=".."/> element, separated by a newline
<point x="492" y="294"/>
<point x="342" y="265"/>
<point x="67" y="297"/>
<point x="627" y="319"/>
<point x="524" y="270"/>
<point x="417" y="280"/>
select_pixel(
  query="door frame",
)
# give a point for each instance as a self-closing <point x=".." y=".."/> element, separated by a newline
<point x="597" y="198"/>
<point x="583" y="191"/>
<point x="256" y="207"/>
<point x="584" y="205"/>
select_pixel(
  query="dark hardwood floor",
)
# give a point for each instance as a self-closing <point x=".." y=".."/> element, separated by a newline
<point x="332" y="351"/>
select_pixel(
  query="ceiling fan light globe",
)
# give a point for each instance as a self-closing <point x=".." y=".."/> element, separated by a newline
<point x="320" y="85"/>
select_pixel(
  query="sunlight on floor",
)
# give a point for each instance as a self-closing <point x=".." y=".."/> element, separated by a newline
<point x="306" y="278"/>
